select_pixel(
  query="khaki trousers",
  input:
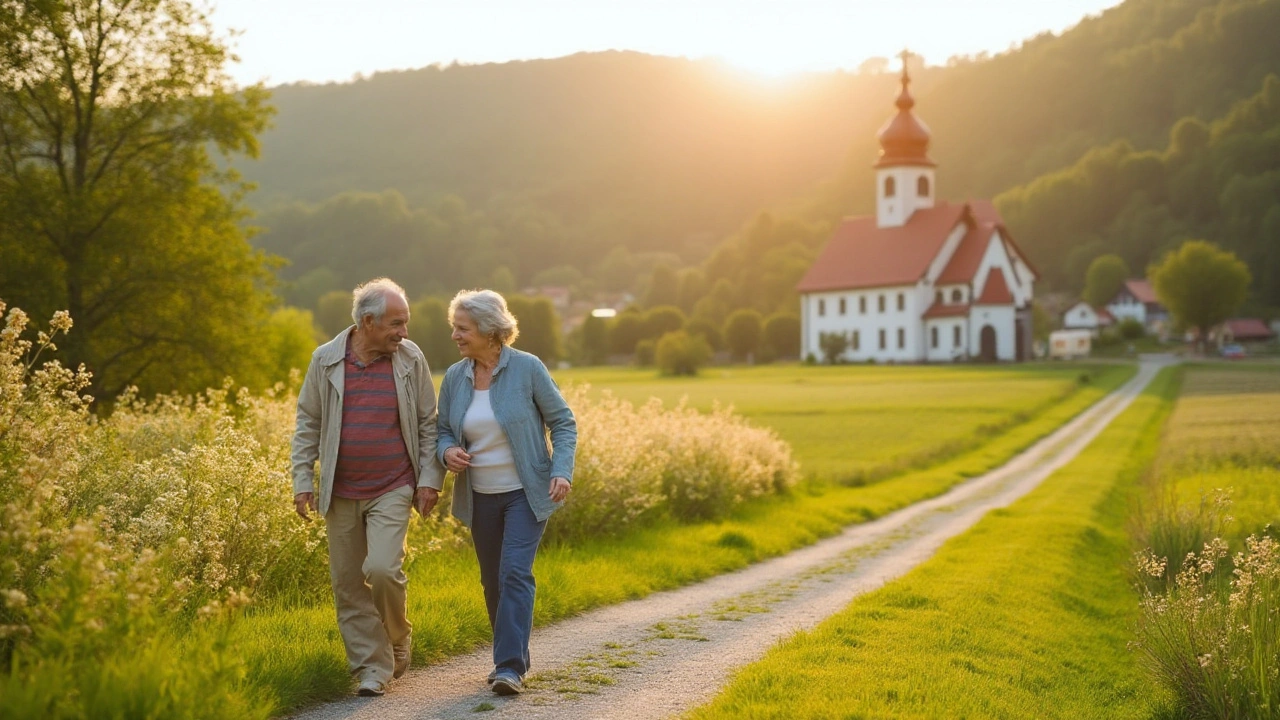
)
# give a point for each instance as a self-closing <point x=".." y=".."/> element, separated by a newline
<point x="366" y="554"/>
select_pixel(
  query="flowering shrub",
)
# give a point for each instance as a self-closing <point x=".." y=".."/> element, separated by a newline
<point x="1213" y="637"/>
<point x="637" y="463"/>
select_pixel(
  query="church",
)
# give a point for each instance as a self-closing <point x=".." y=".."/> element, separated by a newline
<point x="919" y="281"/>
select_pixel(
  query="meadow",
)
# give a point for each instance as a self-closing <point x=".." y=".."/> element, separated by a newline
<point x="153" y="562"/>
<point x="1027" y="615"/>
<point x="852" y="424"/>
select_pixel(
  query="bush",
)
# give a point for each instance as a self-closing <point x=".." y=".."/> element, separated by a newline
<point x="1131" y="329"/>
<point x="1213" y="637"/>
<point x="645" y="350"/>
<point x="782" y="334"/>
<point x="742" y="332"/>
<point x="636" y="464"/>
<point x="833" y="346"/>
<point x="709" y="332"/>
<point x="680" y="353"/>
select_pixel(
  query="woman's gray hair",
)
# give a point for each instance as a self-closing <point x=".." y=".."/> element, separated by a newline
<point x="489" y="311"/>
<point x="371" y="299"/>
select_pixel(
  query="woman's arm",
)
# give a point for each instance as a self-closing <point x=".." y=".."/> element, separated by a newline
<point x="559" y="421"/>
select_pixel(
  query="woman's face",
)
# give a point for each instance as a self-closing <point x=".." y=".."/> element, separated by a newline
<point x="469" y="340"/>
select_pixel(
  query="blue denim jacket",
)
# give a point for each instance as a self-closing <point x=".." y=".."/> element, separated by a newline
<point x="527" y="404"/>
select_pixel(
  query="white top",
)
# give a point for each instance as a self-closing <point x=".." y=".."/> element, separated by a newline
<point x="493" y="468"/>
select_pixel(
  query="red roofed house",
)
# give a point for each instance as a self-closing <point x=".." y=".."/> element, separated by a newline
<point x="1137" y="299"/>
<point x="920" y="281"/>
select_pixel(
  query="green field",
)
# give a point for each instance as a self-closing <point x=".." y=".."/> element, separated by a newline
<point x="1025" y="616"/>
<point x="294" y="654"/>
<point x="858" y="423"/>
<point x="1225" y="433"/>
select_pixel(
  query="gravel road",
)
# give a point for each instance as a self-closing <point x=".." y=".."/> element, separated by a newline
<point x="666" y="653"/>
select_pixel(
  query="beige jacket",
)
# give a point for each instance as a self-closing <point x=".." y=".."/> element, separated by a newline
<point x="320" y="417"/>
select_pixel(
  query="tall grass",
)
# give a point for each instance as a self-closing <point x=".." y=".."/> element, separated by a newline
<point x="1210" y="626"/>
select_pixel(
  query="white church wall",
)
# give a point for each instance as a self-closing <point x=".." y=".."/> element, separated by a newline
<point x="951" y="335"/>
<point x="894" y="210"/>
<point x="1001" y="319"/>
<point x="863" y="320"/>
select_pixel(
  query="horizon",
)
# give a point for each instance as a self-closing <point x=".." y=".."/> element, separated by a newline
<point x="289" y="41"/>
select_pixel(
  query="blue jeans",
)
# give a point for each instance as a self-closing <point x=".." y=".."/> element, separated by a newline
<point x="506" y="535"/>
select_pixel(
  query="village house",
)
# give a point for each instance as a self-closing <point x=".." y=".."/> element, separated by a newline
<point x="1083" y="316"/>
<point x="1137" y="300"/>
<point x="921" y="280"/>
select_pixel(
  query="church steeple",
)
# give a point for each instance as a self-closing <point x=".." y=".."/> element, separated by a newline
<point x="904" y="140"/>
<point x="904" y="172"/>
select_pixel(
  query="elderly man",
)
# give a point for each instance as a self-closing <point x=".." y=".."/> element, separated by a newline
<point x="367" y="412"/>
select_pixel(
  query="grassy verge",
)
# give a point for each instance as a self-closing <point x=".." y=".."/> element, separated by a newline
<point x="295" y="653"/>
<point x="1027" y="615"/>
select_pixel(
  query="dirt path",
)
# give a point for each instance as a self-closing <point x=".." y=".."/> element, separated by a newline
<point x="658" y="656"/>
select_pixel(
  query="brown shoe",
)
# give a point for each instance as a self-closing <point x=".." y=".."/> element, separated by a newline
<point x="403" y="653"/>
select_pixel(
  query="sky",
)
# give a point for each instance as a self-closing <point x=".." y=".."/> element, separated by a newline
<point x="284" y="41"/>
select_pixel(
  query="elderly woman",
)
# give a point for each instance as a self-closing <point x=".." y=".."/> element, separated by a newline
<point x="496" y="406"/>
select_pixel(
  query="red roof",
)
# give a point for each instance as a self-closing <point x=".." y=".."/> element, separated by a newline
<point x="939" y="310"/>
<point x="1104" y="316"/>
<point x="964" y="262"/>
<point x="1248" y="329"/>
<point x="861" y="255"/>
<point x="996" y="290"/>
<point x="1142" y="290"/>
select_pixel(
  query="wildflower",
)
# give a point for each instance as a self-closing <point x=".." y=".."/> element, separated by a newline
<point x="14" y="598"/>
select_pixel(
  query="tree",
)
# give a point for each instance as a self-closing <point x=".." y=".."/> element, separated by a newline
<point x="626" y="330"/>
<point x="1201" y="285"/>
<point x="661" y="320"/>
<point x="595" y="340"/>
<point x="742" y="332"/>
<point x="664" y="287"/>
<point x="709" y="332"/>
<point x="429" y="328"/>
<point x="782" y="334"/>
<point x="333" y="312"/>
<point x="680" y="353"/>
<point x="833" y="346"/>
<point x="1105" y="277"/>
<point x="539" y="327"/>
<point x="113" y="208"/>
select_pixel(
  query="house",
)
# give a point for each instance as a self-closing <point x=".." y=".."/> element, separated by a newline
<point x="1083" y="316"/>
<point x="1068" y="344"/>
<point x="1137" y="300"/>
<point x="921" y="280"/>
<point x="1245" y="331"/>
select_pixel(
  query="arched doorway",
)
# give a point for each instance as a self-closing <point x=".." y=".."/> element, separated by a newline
<point x="988" y="340"/>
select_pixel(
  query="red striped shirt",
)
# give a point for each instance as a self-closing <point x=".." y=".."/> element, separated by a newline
<point x="372" y="457"/>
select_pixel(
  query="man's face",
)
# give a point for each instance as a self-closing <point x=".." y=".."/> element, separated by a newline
<point x="383" y="337"/>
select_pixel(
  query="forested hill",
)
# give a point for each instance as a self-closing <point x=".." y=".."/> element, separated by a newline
<point x="584" y="160"/>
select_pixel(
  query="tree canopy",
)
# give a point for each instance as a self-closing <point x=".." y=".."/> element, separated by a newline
<point x="1104" y="279"/>
<point x="1201" y="284"/>
<point x="113" y="208"/>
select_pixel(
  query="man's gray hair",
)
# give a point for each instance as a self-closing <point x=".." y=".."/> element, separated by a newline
<point x="489" y="311"/>
<point x="371" y="299"/>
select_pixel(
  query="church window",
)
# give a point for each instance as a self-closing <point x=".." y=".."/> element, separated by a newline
<point x="922" y="186"/>
<point x="956" y="296"/>
<point x="822" y="307"/>
<point x="939" y="298"/>
<point x="933" y="336"/>
<point x="890" y="187"/>
<point x="902" y="338"/>
<point x="842" y="306"/>
<point x="881" y="303"/>
<point x="955" y="336"/>
<point x="881" y="338"/>
<point x="902" y="302"/>
<point x="862" y="304"/>
<point x="856" y="340"/>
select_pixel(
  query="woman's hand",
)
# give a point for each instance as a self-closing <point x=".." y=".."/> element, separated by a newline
<point x="456" y="459"/>
<point x="559" y="489"/>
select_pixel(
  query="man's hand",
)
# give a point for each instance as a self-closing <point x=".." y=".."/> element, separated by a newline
<point x="302" y="501"/>
<point x="425" y="499"/>
<point x="456" y="459"/>
<point x="559" y="489"/>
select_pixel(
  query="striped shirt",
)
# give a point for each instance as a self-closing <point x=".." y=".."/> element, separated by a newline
<point x="372" y="457"/>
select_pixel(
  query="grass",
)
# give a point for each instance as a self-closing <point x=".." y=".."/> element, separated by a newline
<point x="296" y="655"/>
<point x="1027" y="615"/>
<point x="1225" y="433"/>
<point x="861" y="423"/>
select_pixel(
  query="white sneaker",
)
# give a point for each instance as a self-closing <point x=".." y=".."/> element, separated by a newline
<point x="403" y="653"/>
<point x="371" y="688"/>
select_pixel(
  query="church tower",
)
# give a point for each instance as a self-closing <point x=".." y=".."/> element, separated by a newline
<point x="904" y="172"/>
